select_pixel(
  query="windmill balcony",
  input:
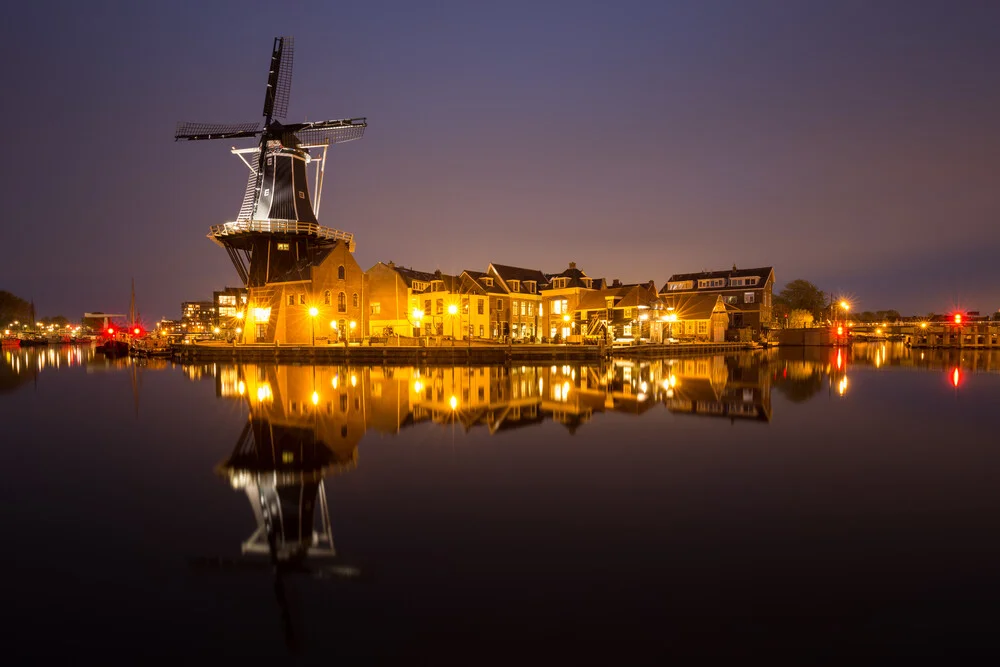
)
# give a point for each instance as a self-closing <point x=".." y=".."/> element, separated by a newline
<point x="239" y="227"/>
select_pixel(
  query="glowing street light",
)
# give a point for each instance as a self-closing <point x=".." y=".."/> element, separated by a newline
<point x="353" y="324"/>
<point x="452" y="310"/>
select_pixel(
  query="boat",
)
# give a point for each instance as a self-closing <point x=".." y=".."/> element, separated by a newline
<point x="11" y="341"/>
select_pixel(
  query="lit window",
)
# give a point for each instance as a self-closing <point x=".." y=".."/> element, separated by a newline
<point x="302" y="299"/>
<point x="327" y="297"/>
<point x="479" y="307"/>
<point x="341" y="272"/>
<point x="291" y="299"/>
<point x="748" y="297"/>
<point x="355" y="300"/>
<point x="342" y="303"/>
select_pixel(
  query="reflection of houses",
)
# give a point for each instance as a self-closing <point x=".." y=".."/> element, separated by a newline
<point x="746" y="291"/>
<point x="718" y="387"/>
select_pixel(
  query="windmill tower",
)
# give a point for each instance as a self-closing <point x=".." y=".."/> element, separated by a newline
<point x="276" y="237"/>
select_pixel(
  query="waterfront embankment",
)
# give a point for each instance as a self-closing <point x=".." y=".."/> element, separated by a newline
<point x="436" y="354"/>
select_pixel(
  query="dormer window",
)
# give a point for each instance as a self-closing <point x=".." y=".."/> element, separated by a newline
<point x="487" y="281"/>
<point x="588" y="282"/>
<point x="515" y="285"/>
<point x="531" y="285"/>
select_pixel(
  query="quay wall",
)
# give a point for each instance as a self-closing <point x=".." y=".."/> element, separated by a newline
<point x="457" y="355"/>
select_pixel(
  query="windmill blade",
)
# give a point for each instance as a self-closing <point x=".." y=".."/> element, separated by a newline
<point x="202" y="131"/>
<point x="330" y="131"/>
<point x="279" y="78"/>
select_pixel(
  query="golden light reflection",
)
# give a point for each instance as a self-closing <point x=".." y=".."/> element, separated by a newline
<point x="453" y="402"/>
<point x="842" y="385"/>
<point x="335" y="381"/>
<point x="264" y="392"/>
<point x="354" y="380"/>
<point x="241" y="388"/>
<point x="418" y="387"/>
<point x="315" y="398"/>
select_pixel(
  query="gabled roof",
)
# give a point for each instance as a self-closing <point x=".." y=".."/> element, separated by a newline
<point x="477" y="276"/>
<point x="518" y="273"/>
<point x="693" y="306"/>
<point x="597" y="299"/>
<point x="409" y="275"/>
<point x="762" y="272"/>
<point x="638" y="296"/>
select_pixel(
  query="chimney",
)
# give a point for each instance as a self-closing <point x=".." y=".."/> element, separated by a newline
<point x="616" y="283"/>
<point x="391" y="265"/>
<point x="572" y="265"/>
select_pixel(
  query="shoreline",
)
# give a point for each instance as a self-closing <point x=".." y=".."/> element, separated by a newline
<point x="458" y="354"/>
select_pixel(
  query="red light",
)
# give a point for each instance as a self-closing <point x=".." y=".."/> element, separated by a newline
<point x="958" y="318"/>
<point x="111" y="332"/>
<point x="136" y="331"/>
<point x="840" y="331"/>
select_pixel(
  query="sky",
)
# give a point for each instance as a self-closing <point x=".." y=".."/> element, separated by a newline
<point x="853" y="144"/>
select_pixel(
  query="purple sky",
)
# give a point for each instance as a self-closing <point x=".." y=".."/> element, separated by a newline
<point x="854" y="144"/>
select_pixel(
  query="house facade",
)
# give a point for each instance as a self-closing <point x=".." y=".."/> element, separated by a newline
<point x="523" y="287"/>
<point x="326" y="280"/>
<point x="748" y="293"/>
<point x="695" y="317"/>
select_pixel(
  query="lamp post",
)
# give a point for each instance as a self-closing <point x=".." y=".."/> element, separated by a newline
<point x="313" y="312"/>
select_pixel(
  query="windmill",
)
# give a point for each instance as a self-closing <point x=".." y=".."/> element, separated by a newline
<point x="277" y="212"/>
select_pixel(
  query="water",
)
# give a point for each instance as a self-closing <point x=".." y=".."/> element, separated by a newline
<point x="744" y="505"/>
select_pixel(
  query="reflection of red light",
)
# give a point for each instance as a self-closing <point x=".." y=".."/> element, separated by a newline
<point x="784" y="373"/>
<point x="838" y="360"/>
<point x="955" y="377"/>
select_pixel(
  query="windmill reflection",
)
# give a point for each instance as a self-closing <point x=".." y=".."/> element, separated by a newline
<point x="282" y="456"/>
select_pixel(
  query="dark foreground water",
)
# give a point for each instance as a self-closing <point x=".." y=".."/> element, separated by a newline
<point x="806" y="502"/>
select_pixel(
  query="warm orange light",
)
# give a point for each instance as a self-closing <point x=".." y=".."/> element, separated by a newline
<point x="136" y="331"/>
<point x="839" y="359"/>
<point x="111" y="332"/>
<point x="958" y="318"/>
<point x="956" y="377"/>
<point x="840" y="331"/>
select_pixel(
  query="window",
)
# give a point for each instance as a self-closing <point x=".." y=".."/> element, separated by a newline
<point x="342" y="327"/>
<point x="702" y="326"/>
<point x="341" y="304"/>
<point x="376" y="308"/>
<point x="499" y="305"/>
<point x="515" y="285"/>
<point x="302" y="299"/>
<point x="480" y="330"/>
<point x="531" y="309"/>
<point x="530" y="284"/>
<point x="748" y="297"/>
<point x="427" y="306"/>
<point x="628" y="313"/>
<point x="479" y="307"/>
<point x="419" y="286"/>
<point x="730" y="299"/>
<point x="588" y="282"/>
<point x="341" y="272"/>
<point x="227" y="300"/>
<point x="291" y="299"/>
<point x="556" y="306"/>
<point x="282" y="246"/>
<point x="523" y="305"/>
<point x="487" y="281"/>
<point x="327" y="298"/>
<point x="439" y="306"/>
<point x="355" y="299"/>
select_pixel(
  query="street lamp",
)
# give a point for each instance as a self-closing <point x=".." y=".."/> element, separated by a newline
<point x="417" y="316"/>
<point x="353" y="324"/>
<point x="313" y="312"/>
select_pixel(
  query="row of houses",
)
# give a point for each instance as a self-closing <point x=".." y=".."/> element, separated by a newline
<point x="326" y="296"/>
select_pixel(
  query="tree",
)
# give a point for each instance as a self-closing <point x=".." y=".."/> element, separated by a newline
<point x="14" y="308"/>
<point x="801" y="295"/>
<point x="799" y="319"/>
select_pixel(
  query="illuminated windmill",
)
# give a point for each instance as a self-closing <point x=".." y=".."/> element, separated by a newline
<point x="277" y="213"/>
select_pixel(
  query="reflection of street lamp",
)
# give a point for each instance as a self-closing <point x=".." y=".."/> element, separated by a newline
<point x="313" y="312"/>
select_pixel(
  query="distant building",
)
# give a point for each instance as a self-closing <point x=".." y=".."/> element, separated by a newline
<point x="198" y="316"/>
<point x="230" y="307"/>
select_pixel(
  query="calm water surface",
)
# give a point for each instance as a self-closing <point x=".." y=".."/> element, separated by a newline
<point x="807" y="501"/>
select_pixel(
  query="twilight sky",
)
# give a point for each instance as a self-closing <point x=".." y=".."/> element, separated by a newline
<point x="855" y="144"/>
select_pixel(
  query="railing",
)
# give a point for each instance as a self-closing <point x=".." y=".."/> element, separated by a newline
<point x="280" y="227"/>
